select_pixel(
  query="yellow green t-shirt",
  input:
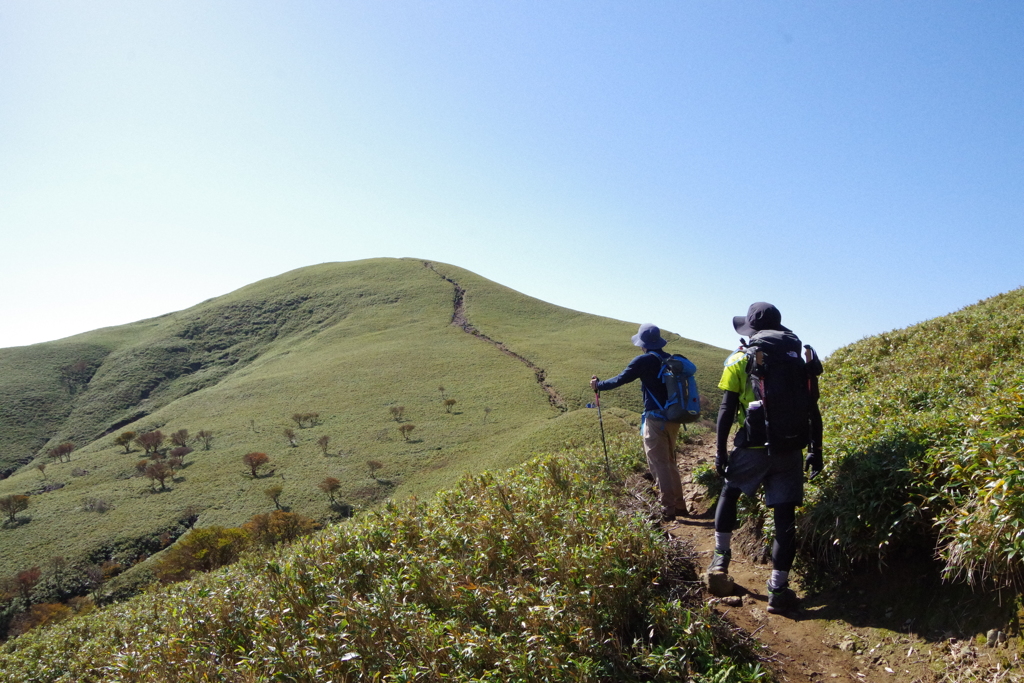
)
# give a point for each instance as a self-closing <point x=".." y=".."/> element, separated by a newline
<point x="734" y="378"/>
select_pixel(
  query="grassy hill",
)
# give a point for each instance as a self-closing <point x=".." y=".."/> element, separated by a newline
<point x="348" y="341"/>
<point x="925" y="436"/>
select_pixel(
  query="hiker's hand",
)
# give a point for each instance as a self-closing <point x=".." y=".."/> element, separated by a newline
<point x="813" y="463"/>
<point x="721" y="463"/>
<point x="593" y="382"/>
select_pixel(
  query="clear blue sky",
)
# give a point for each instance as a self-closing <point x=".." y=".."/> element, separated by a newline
<point x="859" y="164"/>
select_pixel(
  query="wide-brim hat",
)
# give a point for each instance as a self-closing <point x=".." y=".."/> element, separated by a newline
<point x="760" y="316"/>
<point x="649" y="337"/>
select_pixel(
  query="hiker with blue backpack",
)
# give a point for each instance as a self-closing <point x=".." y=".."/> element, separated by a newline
<point x="670" y="399"/>
<point x="771" y="382"/>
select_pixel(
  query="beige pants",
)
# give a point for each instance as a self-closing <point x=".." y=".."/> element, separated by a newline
<point x="660" y="447"/>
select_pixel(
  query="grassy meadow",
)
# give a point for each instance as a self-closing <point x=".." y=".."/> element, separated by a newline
<point x="349" y="341"/>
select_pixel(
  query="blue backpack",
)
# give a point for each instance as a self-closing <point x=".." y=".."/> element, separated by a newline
<point x="683" y="403"/>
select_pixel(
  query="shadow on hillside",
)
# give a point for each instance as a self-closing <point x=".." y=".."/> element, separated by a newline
<point x="18" y="522"/>
<point x="909" y="596"/>
<point x="342" y="510"/>
<point x="150" y="491"/>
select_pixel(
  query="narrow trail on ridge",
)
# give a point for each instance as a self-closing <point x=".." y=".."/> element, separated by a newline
<point x="833" y="636"/>
<point x="459" y="320"/>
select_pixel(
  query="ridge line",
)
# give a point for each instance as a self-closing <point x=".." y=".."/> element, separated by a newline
<point x="459" y="320"/>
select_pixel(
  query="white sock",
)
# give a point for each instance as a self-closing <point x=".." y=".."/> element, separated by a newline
<point x="723" y="541"/>
<point x="780" y="579"/>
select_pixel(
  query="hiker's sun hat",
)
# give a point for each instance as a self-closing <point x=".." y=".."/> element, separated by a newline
<point x="649" y="337"/>
<point x="760" y="316"/>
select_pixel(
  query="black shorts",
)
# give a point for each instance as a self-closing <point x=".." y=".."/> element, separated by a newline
<point x="781" y="473"/>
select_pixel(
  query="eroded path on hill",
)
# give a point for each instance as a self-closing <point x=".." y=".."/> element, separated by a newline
<point x="828" y="639"/>
<point x="459" y="320"/>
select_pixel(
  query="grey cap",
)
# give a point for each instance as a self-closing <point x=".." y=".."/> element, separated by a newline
<point x="649" y="337"/>
<point x="760" y="316"/>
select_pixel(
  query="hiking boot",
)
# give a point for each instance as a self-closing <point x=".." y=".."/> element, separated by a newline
<point x="782" y="600"/>
<point x="720" y="563"/>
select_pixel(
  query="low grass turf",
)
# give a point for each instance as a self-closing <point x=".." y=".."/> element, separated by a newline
<point x="346" y="340"/>
<point x="534" y="575"/>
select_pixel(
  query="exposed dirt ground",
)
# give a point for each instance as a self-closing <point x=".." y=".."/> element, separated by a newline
<point x="892" y="627"/>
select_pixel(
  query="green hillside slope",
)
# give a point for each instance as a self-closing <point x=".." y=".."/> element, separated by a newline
<point x="348" y="341"/>
<point x="925" y="432"/>
<point x="533" y="575"/>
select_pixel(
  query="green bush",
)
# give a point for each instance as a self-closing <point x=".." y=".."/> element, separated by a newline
<point x="923" y="441"/>
<point x="201" y="550"/>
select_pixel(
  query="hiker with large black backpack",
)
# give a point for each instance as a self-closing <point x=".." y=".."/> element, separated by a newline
<point x="771" y="381"/>
<point x="670" y="399"/>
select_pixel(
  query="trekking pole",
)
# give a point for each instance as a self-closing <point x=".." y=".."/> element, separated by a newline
<point x="600" y="421"/>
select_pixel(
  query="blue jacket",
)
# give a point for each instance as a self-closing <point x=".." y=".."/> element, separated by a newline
<point x="645" y="368"/>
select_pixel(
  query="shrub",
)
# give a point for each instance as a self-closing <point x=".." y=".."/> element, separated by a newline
<point x="206" y="437"/>
<point x="330" y="486"/>
<point x="406" y="430"/>
<point x="41" y="466"/>
<point x="62" y="452"/>
<point x="13" y="504"/>
<point x="323" y="442"/>
<point x="289" y="434"/>
<point x="93" y="504"/>
<point x="274" y="494"/>
<point x="38" y="615"/>
<point x="180" y="452"/>
<point x="25" y="581"/>
<point x="304" y="420"/>
<point x="201" y="550"/>
<point x="396" y="412"/>
<point x="449" y="403"/>
<point x="278" y="527"/>
<point x="255" y="461"/>
<point x="150" y="442"/>
<point x="125" y="439"/>
<point x="374" y="467"/>
<point x="159" y="471"/>
<point x="180" y="438"/>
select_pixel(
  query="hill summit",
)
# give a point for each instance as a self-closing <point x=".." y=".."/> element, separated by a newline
<point x="392" y="376"/>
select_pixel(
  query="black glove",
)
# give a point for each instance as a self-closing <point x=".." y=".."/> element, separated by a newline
<point x="721" y="462"/>
<point x="814" y="463"/>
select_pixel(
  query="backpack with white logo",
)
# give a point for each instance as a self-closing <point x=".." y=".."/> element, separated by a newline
<point x="785" y="392"/>
<point x="683" y="402"/>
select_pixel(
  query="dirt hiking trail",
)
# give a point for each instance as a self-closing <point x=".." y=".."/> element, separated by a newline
<point x="867" y="632"/>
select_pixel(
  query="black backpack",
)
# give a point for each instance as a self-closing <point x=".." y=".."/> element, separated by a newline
<point x="785" y="389"/>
